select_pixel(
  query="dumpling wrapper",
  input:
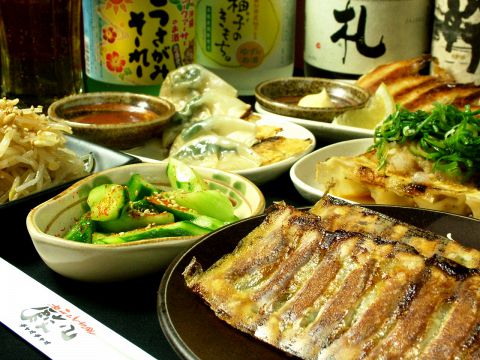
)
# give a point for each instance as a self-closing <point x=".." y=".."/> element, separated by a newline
<point x="198" y="94"/>
<point x="235" y="129"/>
<point x="218" y="152"/>
<point x="190" y="81"/>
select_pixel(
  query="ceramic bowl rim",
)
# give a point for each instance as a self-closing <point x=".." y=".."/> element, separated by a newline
<point x="266" y="101"/>
<point x="41" y="236"/>
<point x="304" y="187"/>
<point x="159" y="119"/>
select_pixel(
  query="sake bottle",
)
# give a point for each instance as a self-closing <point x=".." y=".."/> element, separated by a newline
<point x="132" y="45"/>
<point x="347" y="38"/>
<point x="456" y="39"/>
<point x="245" y="42"/>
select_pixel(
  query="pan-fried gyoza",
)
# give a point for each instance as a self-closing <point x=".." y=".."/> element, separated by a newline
<point x="358" y="179"/>
<point x="416" y="91"/>
<point x="337" y="214"/>
<point x="321" y="294"/>
<point x="424" y="159"/>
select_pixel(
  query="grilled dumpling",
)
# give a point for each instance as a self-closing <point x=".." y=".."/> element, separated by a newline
<point x="337" y="214"/>
<point x="416" y="91"/>
<point x="407" y="180"/>
<point x="321" y="294"/>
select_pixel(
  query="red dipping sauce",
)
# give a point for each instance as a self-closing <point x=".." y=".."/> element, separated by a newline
<point x="111" y="114"/>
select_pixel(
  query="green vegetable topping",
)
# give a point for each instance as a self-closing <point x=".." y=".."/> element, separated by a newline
<point x="447" y="136"/>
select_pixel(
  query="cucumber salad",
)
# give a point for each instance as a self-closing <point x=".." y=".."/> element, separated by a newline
<point x="138" y="210"/>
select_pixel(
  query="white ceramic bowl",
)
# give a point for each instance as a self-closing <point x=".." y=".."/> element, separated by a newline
<point x="324" y="131"/>
<point x="47" y="222"/>
<point x="302" y="172"/>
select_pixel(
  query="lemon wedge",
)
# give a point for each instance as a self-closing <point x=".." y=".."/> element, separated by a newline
<point x="378" y="107"/>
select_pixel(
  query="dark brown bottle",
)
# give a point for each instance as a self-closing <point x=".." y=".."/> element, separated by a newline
<point x="456" y="38"/>
<point x="313" y="71"/>
<point x="347" y="38"/>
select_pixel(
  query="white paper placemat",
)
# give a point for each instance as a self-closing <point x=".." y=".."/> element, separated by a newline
<point x="53" y="325"/>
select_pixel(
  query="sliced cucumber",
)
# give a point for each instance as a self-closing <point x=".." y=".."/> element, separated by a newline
<point x="180" y="228"/>
<point x="138" y="188"/>
<point x="107" y="201"/>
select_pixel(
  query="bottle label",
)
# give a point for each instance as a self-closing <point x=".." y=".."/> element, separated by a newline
<point x="456" y="38"/>
<point x="246" y="34"/>
<point x="354" y="36"/>
<point x="137" y="42"/>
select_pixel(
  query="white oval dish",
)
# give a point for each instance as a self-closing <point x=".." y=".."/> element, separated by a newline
<point x="322" y="130"/>
<point x="290" y="130"/>
<point x="47" y="222"/>
<point x="262" y="174"/>
<point x="302" y="172"/>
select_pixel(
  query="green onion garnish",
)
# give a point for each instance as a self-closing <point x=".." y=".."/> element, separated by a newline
<point x="447" y="136"/>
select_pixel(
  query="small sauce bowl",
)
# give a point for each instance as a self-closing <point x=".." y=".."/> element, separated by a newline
<point x="118" y="120"/>
<point x="281" y="96"/>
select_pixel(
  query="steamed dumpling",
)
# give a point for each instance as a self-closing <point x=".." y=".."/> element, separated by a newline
<point x="198" y="94"/>
<point x="234" y="129"/>
<point x="221" y="142"/>
<point x="217" y="152"/>
<point x="187" y="82"/>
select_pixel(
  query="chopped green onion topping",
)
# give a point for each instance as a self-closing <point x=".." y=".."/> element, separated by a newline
<point x="447" y="136"/>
